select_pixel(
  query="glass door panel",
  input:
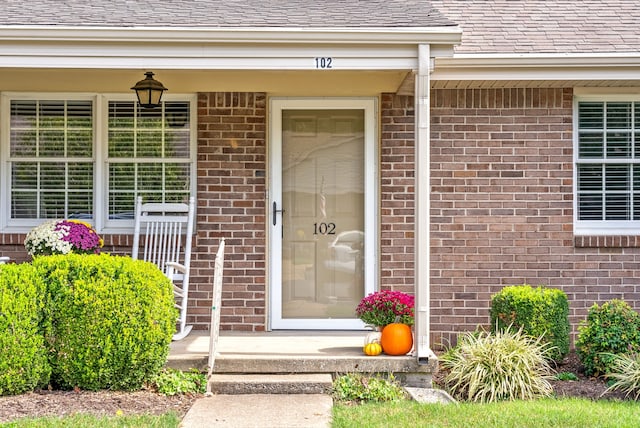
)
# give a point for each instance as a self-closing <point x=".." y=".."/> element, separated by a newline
<point x="323" y="182"/>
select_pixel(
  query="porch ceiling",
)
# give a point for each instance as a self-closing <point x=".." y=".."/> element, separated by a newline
<point x="283" y="83"/>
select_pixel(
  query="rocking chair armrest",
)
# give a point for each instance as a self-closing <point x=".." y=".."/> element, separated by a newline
<point x="173" y="266"/>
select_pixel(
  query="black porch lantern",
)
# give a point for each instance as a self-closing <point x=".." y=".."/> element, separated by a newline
<point x="149" y="91"/>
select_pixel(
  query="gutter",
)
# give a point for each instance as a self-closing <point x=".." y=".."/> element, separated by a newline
<point x="261" y="35"/>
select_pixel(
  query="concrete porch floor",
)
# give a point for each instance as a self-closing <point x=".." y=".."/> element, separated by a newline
<point x="293" y="352"/>
<point x="275" y="344"/>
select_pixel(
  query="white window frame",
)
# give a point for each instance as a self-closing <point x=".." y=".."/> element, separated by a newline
<point x="601" y="227"/>
<point x="102" y="194"/>
<point x="100" y="150"/>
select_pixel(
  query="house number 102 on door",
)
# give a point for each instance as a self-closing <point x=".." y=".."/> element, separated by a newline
<point x="324" y="62"/>
<point x="324" y="228"/>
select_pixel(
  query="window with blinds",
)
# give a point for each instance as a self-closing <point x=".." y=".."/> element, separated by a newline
<point x="608" y="161"/>
<point x="51" y="159"/>
<point x="90" y="156"/>
<point x="149" y="155"/>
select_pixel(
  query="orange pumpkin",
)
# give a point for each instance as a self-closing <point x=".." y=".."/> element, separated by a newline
<point x="396" y="339"/>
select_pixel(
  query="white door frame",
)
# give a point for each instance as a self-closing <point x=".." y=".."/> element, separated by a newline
<point x="276" y="106"/>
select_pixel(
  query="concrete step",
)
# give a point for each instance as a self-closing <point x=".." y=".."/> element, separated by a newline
<point x="300" y="352"/>
<point x="259" y="364"/>
<point x="238" y="384"/>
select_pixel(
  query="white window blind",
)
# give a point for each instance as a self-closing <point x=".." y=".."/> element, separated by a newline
<point x="51" y="159"/>
<point x="148" y="155"/>
<point x="608" y="162"/>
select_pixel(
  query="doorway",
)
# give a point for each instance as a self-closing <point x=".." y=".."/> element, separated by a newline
<point x="322" y="208"/>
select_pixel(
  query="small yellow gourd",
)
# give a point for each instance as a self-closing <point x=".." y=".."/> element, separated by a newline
<point x="372" y="349"/>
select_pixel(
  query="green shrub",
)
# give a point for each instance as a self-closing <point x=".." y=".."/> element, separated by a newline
<point x="172" y="382"/>
<point x="23" y="354"/>
<point x="537" y="311"/>
<point x="609" y="330"/>
<point x="625" y="373"/>
<point x="358" y="387"/>
<point x="113" y="319"/>
<point x="503" y="365"/>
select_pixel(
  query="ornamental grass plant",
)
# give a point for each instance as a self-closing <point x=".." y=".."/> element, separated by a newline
<point x="385" y="307"/>
<point x="505" y="365"/>
<point x="625" y="374"/>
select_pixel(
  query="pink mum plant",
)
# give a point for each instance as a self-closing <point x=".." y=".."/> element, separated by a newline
<point x="384" y="307"/>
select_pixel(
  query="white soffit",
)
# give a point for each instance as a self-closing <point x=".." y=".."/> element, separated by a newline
<point x="531" y="67"/>
<point x="249" y="49"/>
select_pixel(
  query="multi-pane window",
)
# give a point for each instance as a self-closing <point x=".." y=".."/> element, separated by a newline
<point x="68" y="158"/>
<point x="51" y="159"/>
<point x="149" y="155"/>
<point x="608" y="162"/>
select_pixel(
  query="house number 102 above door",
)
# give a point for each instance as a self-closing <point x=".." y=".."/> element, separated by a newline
<point x="324" y="62"/>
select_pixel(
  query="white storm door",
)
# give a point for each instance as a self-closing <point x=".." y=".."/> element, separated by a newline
<point x="322" y="209"/>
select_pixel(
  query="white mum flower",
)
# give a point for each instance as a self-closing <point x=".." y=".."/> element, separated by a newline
<point x="45" y="239"/>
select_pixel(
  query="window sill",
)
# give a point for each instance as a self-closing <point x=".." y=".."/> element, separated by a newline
<point x="606" y="241"/>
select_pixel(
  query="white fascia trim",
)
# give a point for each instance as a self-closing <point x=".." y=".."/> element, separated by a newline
<point x="366" y="35"/>
<point x="569" y="66"/>
<point x="540" y="59"/>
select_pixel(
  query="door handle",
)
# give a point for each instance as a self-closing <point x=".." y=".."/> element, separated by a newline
<point x="275" y="213"/>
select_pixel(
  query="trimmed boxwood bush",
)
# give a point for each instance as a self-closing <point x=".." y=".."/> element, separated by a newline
<point x="539" y="312"/>
<point x="113" y="319"/>
<point x="609" y="330"/>
<point x="23" y="354"/>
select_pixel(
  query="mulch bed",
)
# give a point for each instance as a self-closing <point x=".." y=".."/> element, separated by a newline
<point x="100" y="403"/>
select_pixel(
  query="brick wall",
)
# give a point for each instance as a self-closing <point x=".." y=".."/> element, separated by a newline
<point x="502" y="209"/>
<point x="397" y="205"/>
<point x="231" y="204"/>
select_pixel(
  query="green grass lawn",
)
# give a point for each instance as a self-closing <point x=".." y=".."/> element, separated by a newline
<point x="169" y="420"/>
<point x="556" y="413"/>
<point x="579" y="413"/>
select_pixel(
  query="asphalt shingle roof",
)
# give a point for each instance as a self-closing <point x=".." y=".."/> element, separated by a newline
<point x="223" y="13"/>
<point x="527" y="26"/>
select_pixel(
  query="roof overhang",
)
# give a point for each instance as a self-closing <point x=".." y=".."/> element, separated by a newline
<point x="220" y="48"/>
<point x="620" y="67"/>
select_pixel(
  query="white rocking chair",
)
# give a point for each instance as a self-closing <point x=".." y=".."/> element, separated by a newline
<point x="167" y="230"/>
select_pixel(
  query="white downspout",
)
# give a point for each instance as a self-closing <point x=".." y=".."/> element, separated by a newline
<point x="422" y="207"/>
